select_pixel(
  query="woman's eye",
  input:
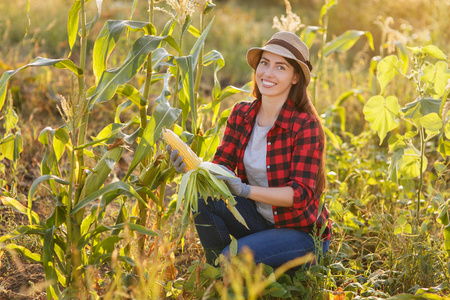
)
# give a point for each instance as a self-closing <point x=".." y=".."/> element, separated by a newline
<point x="282" y="68"/>
<point x="264" y="63"/>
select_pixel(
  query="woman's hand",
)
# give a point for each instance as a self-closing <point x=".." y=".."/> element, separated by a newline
<point x="176" y="160"/>
<point x="235" y="184"/>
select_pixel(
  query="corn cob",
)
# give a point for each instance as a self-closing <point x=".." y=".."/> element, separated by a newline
<point x="191" y="159"/>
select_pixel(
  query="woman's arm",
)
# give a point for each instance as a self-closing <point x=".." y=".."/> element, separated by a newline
<point x="277" y="196"/>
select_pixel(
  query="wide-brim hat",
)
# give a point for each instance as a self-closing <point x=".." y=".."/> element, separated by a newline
<point x="288" y="45"/>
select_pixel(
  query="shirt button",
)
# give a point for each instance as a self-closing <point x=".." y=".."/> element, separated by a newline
<point x="269" y="143"/>
<point x="275" y="213"/>
<point x="268" y="167"/>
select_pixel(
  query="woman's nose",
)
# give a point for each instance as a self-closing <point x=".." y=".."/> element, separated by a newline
<point x="269" y="71"/>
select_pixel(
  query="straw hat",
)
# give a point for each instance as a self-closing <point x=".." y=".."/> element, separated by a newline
<point x="286" y="44"/>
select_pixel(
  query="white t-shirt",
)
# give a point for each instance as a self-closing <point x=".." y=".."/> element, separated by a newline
<point x="255" y="165"/>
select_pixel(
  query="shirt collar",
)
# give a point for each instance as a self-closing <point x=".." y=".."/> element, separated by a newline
<point x="283" y="119"/>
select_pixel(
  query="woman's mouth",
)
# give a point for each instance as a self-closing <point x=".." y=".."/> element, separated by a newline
<point x="268" y="83"/>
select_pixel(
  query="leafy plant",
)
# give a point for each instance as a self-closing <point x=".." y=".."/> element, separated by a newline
<point x="77" y="234"/>
<point x="423" y="114"/>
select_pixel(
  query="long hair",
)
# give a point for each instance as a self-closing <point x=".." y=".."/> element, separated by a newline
<point x="299" y="96"/>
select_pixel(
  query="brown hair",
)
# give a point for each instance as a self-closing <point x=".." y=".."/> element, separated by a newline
<point x="299" y="96"/>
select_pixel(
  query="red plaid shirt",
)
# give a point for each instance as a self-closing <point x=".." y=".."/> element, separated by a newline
<point x="294" y="150"/>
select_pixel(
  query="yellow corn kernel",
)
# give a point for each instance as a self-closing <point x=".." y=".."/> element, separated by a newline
<point x="191" y="159"/>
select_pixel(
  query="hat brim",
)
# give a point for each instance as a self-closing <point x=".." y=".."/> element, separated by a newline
<point x="254" y="55"/>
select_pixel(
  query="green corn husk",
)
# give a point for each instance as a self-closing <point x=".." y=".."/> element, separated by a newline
<point x="201" y="182"/>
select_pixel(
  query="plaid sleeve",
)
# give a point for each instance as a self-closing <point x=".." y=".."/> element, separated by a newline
<point x="226" y="152"/>
<point x="306" y="156"/>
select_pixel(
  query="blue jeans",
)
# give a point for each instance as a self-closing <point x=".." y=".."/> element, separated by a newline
<point x="272" y="246"/>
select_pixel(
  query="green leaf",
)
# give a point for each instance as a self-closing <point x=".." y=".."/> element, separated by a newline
<point x="222" y="95"/>
<point x="421" y="107"/>
<point x="133" y="8"/>
<point x="208" y="7"/>
<point x="441" y="79"/>
<point x="447" y="238"/>
<point x="158" y="61"/>
<point x="38" y="62"/>
<point x="434" y="51"/>
<point x="33" y="189"/>
<point x="211" y="272"/>
<point x="346" y="41"/>
<point x="407" y="229"/>
<point x="381" y="113"/>
<point x="219" y="62"/>
<point x="97" y="15"/>
<point x="163" y="116"/>
<point x="72" y="23"/>
<point x="124" y="187"/>
<point x="325" y="8"/>
<point x="309" y="34"/>
<point x="133" y="94"/>
<point x="187" y="102"/>
<point x="403" y="55"/>
<point x="443" y="217"/>
<point x="410" y="163"/>
<point x="17" y="206"/>
<point x="432" y="124"/>
<point x="101" y="171"/>
<point x="60" y="140"/>
<point x="141" y="229"/>
<point x="387" y="69"/>
<point x="108" y="38"/>
<point x="33" y="257"/>
<point x="48" y="261"/>
<point x="11" y="146"/>
<point x="334" y="139"/>
<point x="195" y="51"/>
<point x="402" y="221"/>
<point x="444" y="147"/>
<point x="107" y="245"/>
<point x="233" y="247"/>
<point x="22" y="231"/>
<point x="186" y="24"/>
<point x="11" y="120"/>
<point x="111" y="79"/>
<point x="439" y="167"/>
<point x="165" y="92"/>
<point x="395" y="163"/>
<point x="447" y="130"/>
<point x="275" y="289"/>
<point x="194" y="31"/>
<point x="359" y="94"/>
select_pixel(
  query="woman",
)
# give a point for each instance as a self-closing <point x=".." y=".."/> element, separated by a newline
<point x="276" y="147"/>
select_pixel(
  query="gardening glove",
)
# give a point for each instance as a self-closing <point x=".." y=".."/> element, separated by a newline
<point x="176" y="160"/>
<point x="235" y="184"/>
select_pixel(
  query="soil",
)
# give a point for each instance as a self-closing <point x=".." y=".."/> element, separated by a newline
<point x="26" y="282"/>
<point x="19" y="279"/>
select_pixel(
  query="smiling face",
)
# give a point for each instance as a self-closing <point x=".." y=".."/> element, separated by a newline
<point x="275" y="76"/>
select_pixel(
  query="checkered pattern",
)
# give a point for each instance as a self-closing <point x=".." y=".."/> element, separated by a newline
<point x="294" y="150"/>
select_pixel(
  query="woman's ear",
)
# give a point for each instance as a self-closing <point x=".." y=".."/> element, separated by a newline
<point x="295" y="79"/>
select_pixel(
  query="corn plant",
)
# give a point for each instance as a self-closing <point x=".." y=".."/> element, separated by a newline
<point x="424" y="118"/>
<point x="11" y="145"/>
<point x="336" y="46"/>
<point x="77" y="234"/>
